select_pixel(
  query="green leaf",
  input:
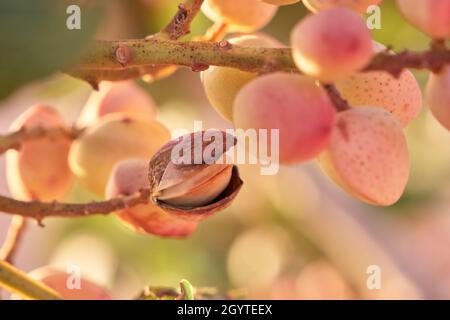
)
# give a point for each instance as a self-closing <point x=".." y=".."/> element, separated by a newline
<point x="35" y="40"/>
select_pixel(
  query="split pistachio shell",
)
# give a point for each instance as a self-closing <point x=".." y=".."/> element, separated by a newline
<point x="194" y="191"/>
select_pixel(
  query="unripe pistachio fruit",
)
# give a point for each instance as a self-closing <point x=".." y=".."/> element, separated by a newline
<point x="116" y="97"/>
<point x="222" y="84"/>
<point x="438" y="96"/>
<point x="39" y="169"/>
<point x="368" y="156"/>
<point x="115" y="137"/>
<point x="194" y="190"/>
<point x="430" y="16"/>
<point x="129" y="176"/>
<point x="401" y="95"/>
<point x="332" y="44"/>
<point x="240" y="15"/>
<point x="275" y="102"/>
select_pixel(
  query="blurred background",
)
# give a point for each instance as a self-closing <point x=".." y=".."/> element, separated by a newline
<point x="290" y="236"/>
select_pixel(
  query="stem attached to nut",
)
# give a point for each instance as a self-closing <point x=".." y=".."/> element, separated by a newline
<point x="433" y="59"/>
<point x="339" y="103"/>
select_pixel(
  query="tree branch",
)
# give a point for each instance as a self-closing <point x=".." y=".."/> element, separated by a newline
<point x="14" y="139"/>
<point x="185" y="53"/>
<point x="40" y="210"/>
<point x="101" y="62"/>
<point x="433" y="59"/>
<point x="179" y="26"/>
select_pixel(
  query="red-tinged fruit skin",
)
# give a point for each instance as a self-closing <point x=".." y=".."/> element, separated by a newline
<point x="402" y="96"/>
<point x="430" y="16"/>
<point x="332" y="44"/>
<point x="130" y="176"/>
<point x="61" y="282"/>
<point x="39" y="169"/>
<point x="240" y="15"/>
<point x="438" y="96"/>
<point x="116" y="97"/>
<point x="295" y="105"/>
<point x="222" y="84"/>
<point x="368" y="156"/>
<point x="359" y="6"/>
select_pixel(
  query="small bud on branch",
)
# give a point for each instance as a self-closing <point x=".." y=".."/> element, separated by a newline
<point x="181" y="22"/>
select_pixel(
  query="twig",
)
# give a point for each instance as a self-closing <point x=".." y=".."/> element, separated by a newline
<point x="181" y="22"/>
<point x="101" y="62"/>
<point x="13" y="140"/>
<point x="13" y="237"/>
<point x="178" y="27"/>
<point x="18" y="282"/>
<point x="40" y="210"/>
<point x="433" y="59"/>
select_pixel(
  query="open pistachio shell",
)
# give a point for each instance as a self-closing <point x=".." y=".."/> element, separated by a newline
<point x="194" y="191"/>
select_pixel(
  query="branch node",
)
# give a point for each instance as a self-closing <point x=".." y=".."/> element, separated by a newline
<point x="225" y="45"/>
<point x="199" y="67"/>
<point x="39" y="221"/>
<point x="180" y="24"/>
<point x="181" y="15"/>
<point x="94" y="84"/>
<point x="124" y="54"/>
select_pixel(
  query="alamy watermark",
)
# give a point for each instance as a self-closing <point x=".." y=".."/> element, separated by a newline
<point x="253" y="146"/>
<point x="373" y="20"/>
<point x="73" y="281"/>
<point x="73" y="21"/>
<point x="374" y="277"/>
